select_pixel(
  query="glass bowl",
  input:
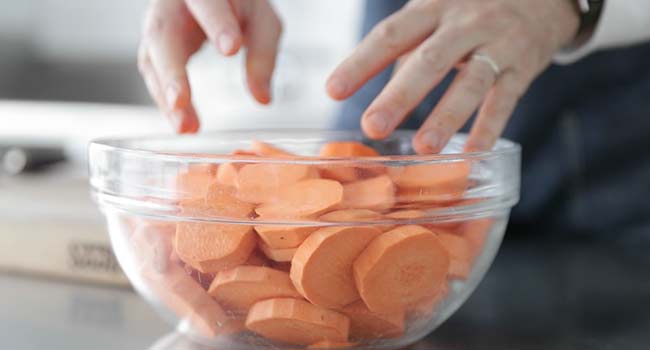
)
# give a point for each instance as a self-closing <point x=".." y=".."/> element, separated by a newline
<point x="308" y="247"/>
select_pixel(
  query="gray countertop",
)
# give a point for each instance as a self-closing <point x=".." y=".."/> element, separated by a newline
<point x="537" y="295"/>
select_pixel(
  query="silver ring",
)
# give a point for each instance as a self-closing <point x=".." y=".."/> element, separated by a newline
<point x="489" y="60"/>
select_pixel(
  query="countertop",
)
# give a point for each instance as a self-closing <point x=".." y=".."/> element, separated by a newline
<point x="537" y="295"/>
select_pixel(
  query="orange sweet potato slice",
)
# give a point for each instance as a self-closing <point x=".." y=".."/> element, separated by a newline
<point x="475" y="232"/>
<point x="341" y="173"/>
<point x="344" y="215"/>
<point x="302" y="199"/>
<point x="433" y="194"/>
<point x="406" y="214"/>
<point x="204" y="279"/>
<point x="152" y="246"/>
<point x="222" y="201"/>
<point x="450" y="176"/>
<point x="321" y="268"/>
<point x="257" y="258"/>
<point x="267" y="149"/>
<point x="277" y="254"/>
<point x="210" y="247"/>
<point x="283" y="236"/>
<point x="178" y="291"/>
<point x="263" y="183"/>
<point x="296" y="322"/>
<point x="460" y="255"/>
<point x="345" y="149"/>
<point x="365" y="324"/>
<point x="239" y="288"/>
<point x="195" y="180"/>
<point x="399" y="267"/>
<point x="376" y="193"/>
<point x="281" y="265"/>
<point x="328" y="344"/>
<point x="227" y="174"/>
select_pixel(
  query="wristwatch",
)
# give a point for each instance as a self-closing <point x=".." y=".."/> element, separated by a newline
<point x="589" y="15"/>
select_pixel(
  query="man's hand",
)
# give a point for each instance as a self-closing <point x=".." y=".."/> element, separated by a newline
<point x="175" y="29"/>
<point x="499" y="47"/>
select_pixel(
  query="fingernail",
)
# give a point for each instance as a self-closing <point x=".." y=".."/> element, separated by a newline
<point x="337" y="87"/>
<point x="378" y="122"/>
<point x="172" y="94"/>
<point x="226" y="43"/>
<point x="430" y="140"/>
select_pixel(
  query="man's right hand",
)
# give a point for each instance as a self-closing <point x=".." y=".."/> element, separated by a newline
<point x="175" y="29"/>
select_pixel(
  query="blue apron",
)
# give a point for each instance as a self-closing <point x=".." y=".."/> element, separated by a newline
<point x="585" y="134"/>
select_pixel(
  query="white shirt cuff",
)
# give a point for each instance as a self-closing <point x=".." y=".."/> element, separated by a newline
<point x="621" y="23"/>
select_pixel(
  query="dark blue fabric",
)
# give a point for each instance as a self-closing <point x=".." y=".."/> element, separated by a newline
<point x="585" y="133"/>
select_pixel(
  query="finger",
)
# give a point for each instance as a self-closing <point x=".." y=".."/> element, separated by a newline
<point x="263" y="33"/>
<point x="169" y="49"/>
<point x="465" y="94"/>
<point x="149" y="76"/>
<point x="399" y="63"/>
<point x="429" y="64"/>
<point x="395" y="35"/>
<point x="219" y="22"/>
<point x="183" y="121"/>
<point x="495" y="112"/>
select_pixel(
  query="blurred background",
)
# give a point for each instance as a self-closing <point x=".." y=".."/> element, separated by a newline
<point x="85" y="51"/>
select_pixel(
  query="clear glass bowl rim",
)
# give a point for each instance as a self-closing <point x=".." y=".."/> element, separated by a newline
<point x="502" y="148"/>
<point x="126" y="148"/>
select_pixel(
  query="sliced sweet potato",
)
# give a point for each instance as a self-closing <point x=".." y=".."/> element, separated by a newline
<point x="263" y="183"/>
<point x="204" y="279"/>
<point x="476" y="232"/>
<point x="210" y="247"/>
<point x="152" y="246"/>
<point x="346" y="149"/>
<point x="460" y="254"/>
<point x="277" y="254"/>
<point x="346" y="215"/>
<point x="327" y="344"/>
<point x="222" y="201"/>
<point x="321" y="268"/>
<point x="257" y="258"/>
<point x="433" y="194"/>
<point x="267" y="149"/>
<point x="406" y="214"/>
<point x="400" y="267"/>
<point x="283" y="236"/>
<point x="239" y="288"/>
<point x="245" y="152"/>
<point x="376" y="193"/>
<point x="304" y="199"/>
<point x="281" y="265"/>
<point x="195" y="180"/>
<point x="341" y="173"/>
<point x="296" y="322"/>
<point x="227" y="174"/>
<point x="178" y="291"/>
<point x="450" y="176"/>
<point x="365" y="324"/>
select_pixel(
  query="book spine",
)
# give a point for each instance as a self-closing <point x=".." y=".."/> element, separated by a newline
<point x="73" y="251"/>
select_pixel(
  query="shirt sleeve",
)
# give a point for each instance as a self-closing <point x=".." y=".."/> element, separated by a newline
<point x="621" y="23"/>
